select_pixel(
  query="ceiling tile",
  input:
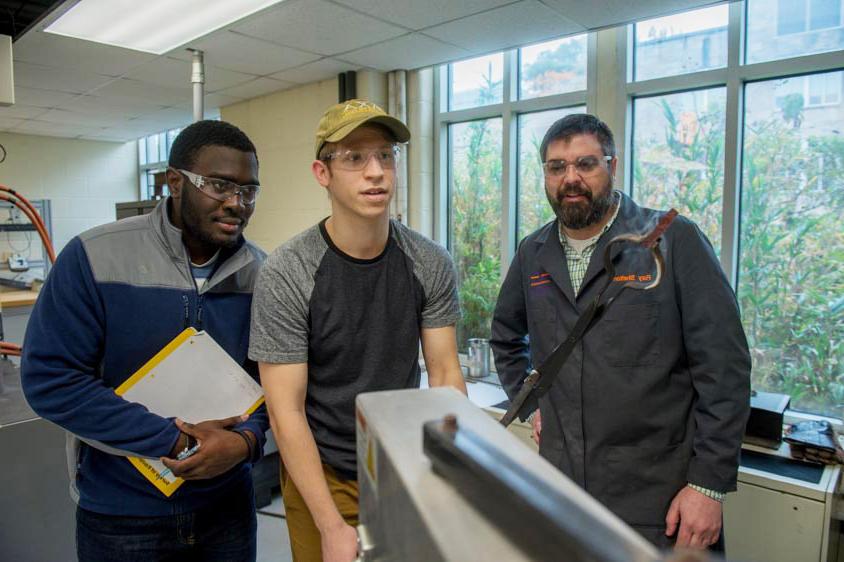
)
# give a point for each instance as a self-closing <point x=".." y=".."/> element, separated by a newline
<point x="129" y="132"/>
<point x="19" y="111"/>
<point x="114" y="104"/>
<point x="418" y="15"/>
<point x="34" y="127"/>
<point x="171" y="117"/>
<point x="167" y="118"/>
<point x="257" y="87"/>
<point x="6" y="123"/>
<point x="141" y="91"/>
<point x="233" y="51"/>
<point x="312" y="72"/>
<point x="66" y="52"/>
<point x="41" y="98"/>
<point x="50" y="77"/>
<point x="114" y="137"/>
<point x="411" y="51"/>
<point x="517" y="24"/>
<point x="615" y="12"/>
<point x="317" y="26"/>
<point x="66" y="117"/>
<point x="175" y="73"/>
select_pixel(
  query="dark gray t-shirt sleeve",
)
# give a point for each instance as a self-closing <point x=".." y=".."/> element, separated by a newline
<point x="434" y="269"/>
<point x="279" y="331"/>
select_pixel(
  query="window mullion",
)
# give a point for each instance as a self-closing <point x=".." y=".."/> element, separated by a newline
<point x="732" y="144"/>
<point x="442" y="160"/>
<point x="509" y="159"/>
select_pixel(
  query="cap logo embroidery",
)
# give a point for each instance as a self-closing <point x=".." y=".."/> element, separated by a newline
<point x="358" y="106"/>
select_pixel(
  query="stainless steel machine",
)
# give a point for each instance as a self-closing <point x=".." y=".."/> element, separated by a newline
<point x="440" y="480"/>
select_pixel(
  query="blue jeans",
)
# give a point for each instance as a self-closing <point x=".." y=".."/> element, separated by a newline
<point x="221" y="532"/>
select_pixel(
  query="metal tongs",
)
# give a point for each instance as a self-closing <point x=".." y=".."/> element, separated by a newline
<point x="539" y="381"/>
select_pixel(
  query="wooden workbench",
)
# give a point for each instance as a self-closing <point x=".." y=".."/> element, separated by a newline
<point x="13" y="299"/>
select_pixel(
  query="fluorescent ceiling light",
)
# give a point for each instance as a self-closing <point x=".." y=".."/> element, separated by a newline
<point x="153" y="26"/>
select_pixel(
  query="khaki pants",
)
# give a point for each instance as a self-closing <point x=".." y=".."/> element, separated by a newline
<point x="304" y="535"/>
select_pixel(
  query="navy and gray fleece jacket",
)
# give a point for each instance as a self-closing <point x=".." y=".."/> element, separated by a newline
<point x="117" y="294"/>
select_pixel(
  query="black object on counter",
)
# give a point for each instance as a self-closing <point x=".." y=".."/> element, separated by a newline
<point x="764" y="427"/>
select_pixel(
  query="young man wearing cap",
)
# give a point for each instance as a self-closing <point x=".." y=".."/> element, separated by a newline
<point x="341" y="309"/>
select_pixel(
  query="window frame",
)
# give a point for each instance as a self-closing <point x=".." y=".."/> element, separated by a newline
<point x="734" y="76"/>
<point x="612" y="50"/>
<point x="167" y="136"/>
<point x="807" y="94"/>
<point x="807" y="20"/>
<point x="619" y="57"/>
<point x="509" y="111"/>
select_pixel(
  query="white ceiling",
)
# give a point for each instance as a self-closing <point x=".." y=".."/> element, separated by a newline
<point x="72" y="88"/>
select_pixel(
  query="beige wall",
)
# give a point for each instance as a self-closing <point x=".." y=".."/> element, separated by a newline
<point x="282" y="126"/>
<point x="82" y="179"/>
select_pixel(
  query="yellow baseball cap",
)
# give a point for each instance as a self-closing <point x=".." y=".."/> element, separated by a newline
<point x="341" y="119"/>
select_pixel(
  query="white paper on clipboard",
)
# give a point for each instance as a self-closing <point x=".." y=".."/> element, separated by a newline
<point x="195" y="380"/>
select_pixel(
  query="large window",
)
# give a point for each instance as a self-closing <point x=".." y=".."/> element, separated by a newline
<point x="791" y="279"/>
<point x="494" y="111"/>
<point x="681" y="43"/>
<point x="778" y="29"/>
<point x="533" y="209"/>
<point x="753" y="152"/>
<point x="475" y="82"/>
<point x="756" y="162"/>
<point x="153" y="153"/>
<point x="678" y="155"/>
<point x="552" y="68"/>
<point x="475" y="178"/>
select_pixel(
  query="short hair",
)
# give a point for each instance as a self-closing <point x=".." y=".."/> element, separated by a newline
<point x="326" y="149"/>
<point x="198" y="135"/>
<point x="579" y="124"/>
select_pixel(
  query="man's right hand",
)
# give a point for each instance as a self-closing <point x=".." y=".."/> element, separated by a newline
<point x="536" y="424"/>
<point x="184" y="439"/>
<point x="339" y="544"/>
<point x="219" y="449"/>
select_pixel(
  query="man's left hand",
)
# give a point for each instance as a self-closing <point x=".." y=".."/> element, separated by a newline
<point x="698" y="517"/>
<point x="219" y="450"/>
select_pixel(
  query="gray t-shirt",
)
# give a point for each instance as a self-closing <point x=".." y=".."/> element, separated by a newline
<point x="356" y="323"/>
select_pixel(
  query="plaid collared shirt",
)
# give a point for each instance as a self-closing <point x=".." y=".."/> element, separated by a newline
<point x="578" y="261"/>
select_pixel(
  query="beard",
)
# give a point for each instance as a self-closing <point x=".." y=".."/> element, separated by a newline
<point x="580" y="215"/>
<point x="193" y="225"/>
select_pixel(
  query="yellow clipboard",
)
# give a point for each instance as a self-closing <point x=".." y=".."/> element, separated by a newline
<point x="194" y="379"/>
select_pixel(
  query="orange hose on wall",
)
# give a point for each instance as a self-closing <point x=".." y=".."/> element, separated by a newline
<point x="23" y="199"/>
<point x="29" y="210"/>
<point x="22" y="203"/>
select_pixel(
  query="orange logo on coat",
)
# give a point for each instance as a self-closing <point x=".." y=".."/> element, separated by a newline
<point x="538" y="279"/>
<point x="632" y="277"/>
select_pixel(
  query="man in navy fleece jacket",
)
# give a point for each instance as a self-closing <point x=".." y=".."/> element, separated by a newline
<point x="117" y="294"/>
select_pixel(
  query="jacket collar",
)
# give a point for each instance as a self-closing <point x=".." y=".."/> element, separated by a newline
<point x="552" y="257"/>
<point x="231" y="260"/>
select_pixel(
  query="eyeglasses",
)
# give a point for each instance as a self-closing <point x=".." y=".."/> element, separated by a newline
<point x="584" y="166"/>
<point x="355" y="160"/>
<point x="222" y="190"/>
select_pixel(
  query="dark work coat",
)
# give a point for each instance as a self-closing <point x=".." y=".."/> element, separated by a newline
<point x="657" y="394"/>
